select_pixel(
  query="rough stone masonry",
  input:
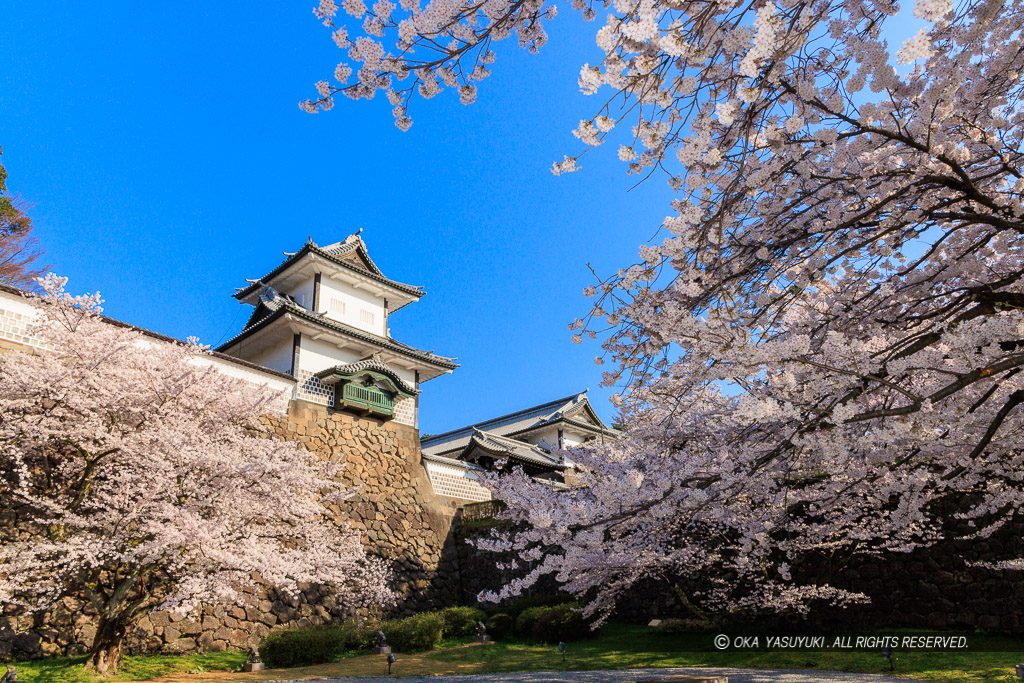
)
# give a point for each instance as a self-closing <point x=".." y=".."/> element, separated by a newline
<point x="395" y="511"/>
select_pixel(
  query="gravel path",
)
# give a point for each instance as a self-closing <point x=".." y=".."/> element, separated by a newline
<point x="631" y="675"/>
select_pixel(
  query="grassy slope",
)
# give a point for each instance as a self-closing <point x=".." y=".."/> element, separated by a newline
<point x="618" y="646"/>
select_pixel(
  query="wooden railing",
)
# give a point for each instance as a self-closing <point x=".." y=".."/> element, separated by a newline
<point x="370" y="399"/>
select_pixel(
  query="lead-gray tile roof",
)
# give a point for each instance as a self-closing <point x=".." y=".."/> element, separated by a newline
<point x="333" y="253"/>
<point x="275" y="305"/>
<point x="521" y="421"/>
<point x="371" y="363"/>
<point x="511" y="448"/>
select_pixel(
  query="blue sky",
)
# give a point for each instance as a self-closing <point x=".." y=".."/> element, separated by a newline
<point x="166" y="157"/>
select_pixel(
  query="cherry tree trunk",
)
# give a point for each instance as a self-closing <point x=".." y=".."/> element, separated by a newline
<point x="105" y="654"/>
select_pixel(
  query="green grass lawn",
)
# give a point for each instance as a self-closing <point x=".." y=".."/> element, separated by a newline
<point x="618" y="646"/>
<point x="621" y="646"/>
<point x="69" y="669"/>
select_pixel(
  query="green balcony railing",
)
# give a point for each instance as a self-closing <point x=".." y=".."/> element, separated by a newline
<point x="369" y="399"/>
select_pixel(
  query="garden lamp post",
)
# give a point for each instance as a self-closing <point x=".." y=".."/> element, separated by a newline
<point x="253" y="661"/>
<point x="391" y="660"/>
<point x="887" y="653"/>
<point x="561" y="648"/>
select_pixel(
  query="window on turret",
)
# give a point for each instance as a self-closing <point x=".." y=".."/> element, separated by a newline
<point x="337" y="306"/>
<point x="366" y="317"/>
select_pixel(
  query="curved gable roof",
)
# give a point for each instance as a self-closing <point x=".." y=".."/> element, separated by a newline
<point x="502" y="447"/>
<point x="371" y="364"/>
<point x="568" y="409"/>
<point x="350" y="254"/>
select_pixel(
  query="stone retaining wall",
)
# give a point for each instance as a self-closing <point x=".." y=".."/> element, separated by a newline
<point x="395" y="511"/>
<point x="400" y="518"/>
<point x="936" y="587"/>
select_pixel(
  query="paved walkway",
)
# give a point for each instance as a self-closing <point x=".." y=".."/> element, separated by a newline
<point x="631" y="675"/>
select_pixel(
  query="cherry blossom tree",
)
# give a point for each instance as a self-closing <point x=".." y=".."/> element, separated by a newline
<point x="827" y="343"/>
<point x="138" y="478"/>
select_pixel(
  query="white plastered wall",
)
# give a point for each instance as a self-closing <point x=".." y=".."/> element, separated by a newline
<point x="280" y="385"/>
<point x="569" y="439"/>
<point x="277" y="357"/>
<point x="355" y="301"/>
<point x="454" y="481"/>
<point x="17" y="313"/>
<point x="316" y="355"/>
<point x="546" y="439"/>
<point x="303" y="294"/>
<point x="408" y="376"/>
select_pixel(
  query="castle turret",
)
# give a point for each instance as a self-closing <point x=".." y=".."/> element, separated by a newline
<point x="322" y="317"/>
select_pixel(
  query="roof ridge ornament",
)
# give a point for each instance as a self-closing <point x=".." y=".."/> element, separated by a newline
<point x="270" y="295"/>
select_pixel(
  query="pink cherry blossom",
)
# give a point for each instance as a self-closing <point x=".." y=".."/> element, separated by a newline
<point x="828" y="340"/>
<point x="140" y="480"/>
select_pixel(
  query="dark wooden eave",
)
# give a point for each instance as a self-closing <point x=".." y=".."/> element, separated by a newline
<point x="336" y="327"/>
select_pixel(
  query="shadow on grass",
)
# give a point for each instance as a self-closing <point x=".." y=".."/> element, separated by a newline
<point x="618" y="646"/>
<point x="134" y="668"/>
<point x="621" y="646"/>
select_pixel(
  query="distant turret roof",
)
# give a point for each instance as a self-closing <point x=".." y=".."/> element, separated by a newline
<point x="564" y="410"/>
<point x="502" y="447"/>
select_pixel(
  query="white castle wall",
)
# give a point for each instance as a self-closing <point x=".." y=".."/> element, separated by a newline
<point x="455" y="481"/>
<point x="355" y="302"/>
<point x="277" y="357"/>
